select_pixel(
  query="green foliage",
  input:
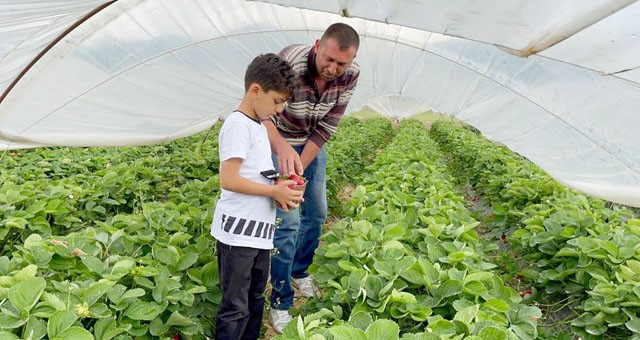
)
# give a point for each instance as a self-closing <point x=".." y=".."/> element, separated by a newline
<point x="121" y="236"/>
<point x="354" y="146"/>
<point x="574" y="247"/>
<point x="408" y="254"/>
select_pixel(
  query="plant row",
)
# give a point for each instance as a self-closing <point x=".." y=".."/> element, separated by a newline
<point x="406" y="262"/>
<point x="351" y="148"/>
<point x="572" y="248"/>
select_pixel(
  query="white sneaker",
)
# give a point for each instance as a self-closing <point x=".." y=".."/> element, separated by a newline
<point x="305" y="286"/>
<point x="279" y="319"/>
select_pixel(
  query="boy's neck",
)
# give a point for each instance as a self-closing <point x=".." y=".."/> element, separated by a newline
<point x="247" y="110"/>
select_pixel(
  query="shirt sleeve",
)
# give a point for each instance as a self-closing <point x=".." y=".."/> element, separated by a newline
<point x="329" y="123"/>
<point x="234" y="141"/>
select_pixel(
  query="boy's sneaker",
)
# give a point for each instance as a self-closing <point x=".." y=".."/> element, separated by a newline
<point x="305" y="286"/>
<point x="279" y="319"/>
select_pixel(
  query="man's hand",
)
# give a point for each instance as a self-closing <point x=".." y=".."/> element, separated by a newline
<point x="289" y="162"/>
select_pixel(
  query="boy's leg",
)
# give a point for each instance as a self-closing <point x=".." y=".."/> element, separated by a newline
<point x="314" y="214"/>
<point x="235" y="281"/>
<point x="259" y="276"/>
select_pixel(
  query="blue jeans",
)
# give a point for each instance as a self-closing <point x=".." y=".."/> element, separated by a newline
<point x="297" y="233"/>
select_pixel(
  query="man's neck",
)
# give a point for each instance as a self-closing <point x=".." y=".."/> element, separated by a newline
<point x="320" y="84"/>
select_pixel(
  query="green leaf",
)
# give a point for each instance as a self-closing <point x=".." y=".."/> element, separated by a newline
<point x="467" y="315"/>
<point x="360" y="320"/>
<point x="383" y="329"/>
<point x="598" y="272"/>
<point x="450" y="288"/>
<point x="60" y="321"/>
<point x="475" y="288"/>
<point x="36" y="328"/>
<point x="158" y="328"/>
<point x="633" y="325"/>
<point x="402" y="297"/>
<point x="5" y="264"/>
<point x="596" y="329"/>
<point x="384" y="269"/>
<point x="93" y="263"/>
<point x="197" y="290"/>
<point x="177" y="319"/>
<point x="10" y="322"/>
<point x="105" y="329"/>
<point x="41" y="256"/>
<point x="99" y="310"/>
<point x="567" y="252"/>
<point x="526" y="314"/>
<point x="478" y="276"/>
<point x="122" y="267"/>
<point x="132" y="293"/>
<point x="347" y="332"/>
<point x="186" y="261"/>
<point x="74" y="333"/>
<point x="141" y="310"/>
<point x="496" y="305"/>
<point x="178" y="238"/>
<point x="149" y="271"/>
<point x="443" y="327"/>
<point x="493" y="333"/>
<point x="8" y="336"/>
<point x="95" y="292"/>
<point x="404" y="264"/>
<point x="24" y="295"/>
<point x="167" y="255"/>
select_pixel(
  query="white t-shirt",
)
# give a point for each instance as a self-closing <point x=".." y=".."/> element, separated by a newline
<point x="240" y="219"/>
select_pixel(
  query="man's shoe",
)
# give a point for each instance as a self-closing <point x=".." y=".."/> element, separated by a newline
<point x="305" y="286"/>
<point x="279" y="319"/>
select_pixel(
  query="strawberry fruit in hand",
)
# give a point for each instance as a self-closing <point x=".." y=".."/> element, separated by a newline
<point x="300" y="184"/>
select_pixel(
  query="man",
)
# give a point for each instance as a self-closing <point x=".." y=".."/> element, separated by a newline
<point x="327" y="77"/>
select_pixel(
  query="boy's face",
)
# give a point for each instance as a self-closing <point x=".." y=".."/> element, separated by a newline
<point x="331" y="62"/>
<point x="267" y="104"/>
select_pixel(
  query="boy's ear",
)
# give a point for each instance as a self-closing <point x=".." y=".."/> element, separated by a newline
<point x="254" y="88"/>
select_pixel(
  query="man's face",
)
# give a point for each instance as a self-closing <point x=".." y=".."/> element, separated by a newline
<point x="331" y="62"/>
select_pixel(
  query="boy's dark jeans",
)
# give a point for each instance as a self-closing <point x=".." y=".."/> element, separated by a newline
<point x="243" y="276"/>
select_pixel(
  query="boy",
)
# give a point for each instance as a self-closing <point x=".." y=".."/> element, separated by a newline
<point x="244" y="217"/>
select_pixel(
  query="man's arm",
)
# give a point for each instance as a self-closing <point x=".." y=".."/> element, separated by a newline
<point x="288" y="159"/>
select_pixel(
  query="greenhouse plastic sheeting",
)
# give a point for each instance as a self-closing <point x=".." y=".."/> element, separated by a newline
<point x="84" y="73"/>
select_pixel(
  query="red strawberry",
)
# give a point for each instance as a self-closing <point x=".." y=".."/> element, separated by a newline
<point x="294" y="177"/>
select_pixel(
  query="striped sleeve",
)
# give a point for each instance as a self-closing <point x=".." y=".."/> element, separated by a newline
<point x="329" y="123"/>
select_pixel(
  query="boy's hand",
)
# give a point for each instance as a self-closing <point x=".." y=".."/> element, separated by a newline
<point x="287" y="195"/>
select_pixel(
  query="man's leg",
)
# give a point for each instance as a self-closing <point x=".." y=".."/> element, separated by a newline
<point x="235" y="281"/>
<point x="314" y="214"/>
<point x="284" y="243"/>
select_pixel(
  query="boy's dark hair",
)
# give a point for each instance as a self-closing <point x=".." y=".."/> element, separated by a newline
<point x="272" y="73"/>
<point x="344" y="34"/>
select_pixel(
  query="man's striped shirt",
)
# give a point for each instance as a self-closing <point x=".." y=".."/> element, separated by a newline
<point x="309" y="115"/>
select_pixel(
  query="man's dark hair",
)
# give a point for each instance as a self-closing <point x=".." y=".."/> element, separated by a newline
<point x="272" y="73"/>
<point x="344" y="34"/>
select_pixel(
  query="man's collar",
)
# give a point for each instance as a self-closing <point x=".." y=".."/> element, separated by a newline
<point x="311" y="64"/>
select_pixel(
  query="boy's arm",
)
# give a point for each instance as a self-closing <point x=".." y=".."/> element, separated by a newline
<point x="231" y="180"/>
